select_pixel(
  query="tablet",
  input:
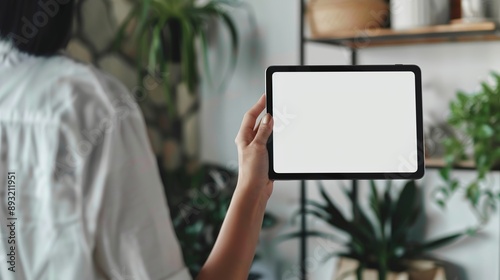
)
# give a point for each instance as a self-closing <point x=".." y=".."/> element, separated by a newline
<point x="345" y="122"/>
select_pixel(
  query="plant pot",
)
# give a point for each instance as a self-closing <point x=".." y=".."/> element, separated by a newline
<point x="328" y="17"/>
<point x="413" y="14"/>
<point x="410" y="14"/>
<point x="418" y="270"/>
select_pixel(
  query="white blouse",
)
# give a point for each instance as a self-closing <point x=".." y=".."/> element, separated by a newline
<point x="85" y="196"/>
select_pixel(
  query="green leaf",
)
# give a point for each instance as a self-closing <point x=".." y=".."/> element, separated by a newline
<point x="386" y="206"/>
<point x="234" y="47"/>
<point x="405" y="209"/>
<point x="462" y="97"/>
<point x="485" y="131"/>
<point x="269" y="220"/>
<point x="441" y="204"/>
<point x="473" y="193"/>
<point x="359" y="271"/>
<point x="434" y="244"/>
<point x="154" y="50"/>
<point x="206" y="64"/>
<point x="318" y="206"/>
<point x="338" y="220"/>
<point x="445" y="173"/>
<point x="472" y="231"/>
<point x="188" y="62"/>
<point x="195" y="228"/>
<point x="318" y="214"/>
<point x="454" y="185"/>
<point x="374" y="200"/>
<point x="347" y="191"/>
<point x="487" y="89"/>
<point x="143" y="18"/>
<point x="363" y="221"/>
<point x="315" y="203"/>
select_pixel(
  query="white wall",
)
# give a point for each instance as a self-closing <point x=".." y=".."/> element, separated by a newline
<point x="445" y="67"/>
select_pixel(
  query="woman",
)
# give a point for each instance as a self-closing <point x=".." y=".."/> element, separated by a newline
<point x="81" y="194"/>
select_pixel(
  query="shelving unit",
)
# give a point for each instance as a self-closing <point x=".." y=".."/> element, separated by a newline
<point x="469" y="32"/>
<point x="361" y="39"/>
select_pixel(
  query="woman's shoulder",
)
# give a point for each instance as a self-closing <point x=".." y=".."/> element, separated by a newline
<point x="79" y="96"/>
<point x="80" y="74"/>
<point x="89" y="88"/>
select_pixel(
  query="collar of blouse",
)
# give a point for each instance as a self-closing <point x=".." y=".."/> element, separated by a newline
<point x="9" y="54"/>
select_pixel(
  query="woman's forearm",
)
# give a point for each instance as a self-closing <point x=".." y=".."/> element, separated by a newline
<point x="234" y="249"/>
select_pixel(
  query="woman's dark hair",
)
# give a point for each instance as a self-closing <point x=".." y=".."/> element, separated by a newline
<point x="37" y="27"/>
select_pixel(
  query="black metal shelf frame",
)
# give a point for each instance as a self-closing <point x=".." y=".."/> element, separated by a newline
<point x="350" y="42"/>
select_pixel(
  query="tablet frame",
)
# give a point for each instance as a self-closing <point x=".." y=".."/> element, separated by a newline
<point x="348" y="68"/>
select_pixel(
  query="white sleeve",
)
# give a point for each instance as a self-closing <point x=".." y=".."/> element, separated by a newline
<point x="134" y="233"/>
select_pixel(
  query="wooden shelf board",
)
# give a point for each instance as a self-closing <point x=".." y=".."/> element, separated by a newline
<point x="437" y="163"/>
<point x="464" y="32"/>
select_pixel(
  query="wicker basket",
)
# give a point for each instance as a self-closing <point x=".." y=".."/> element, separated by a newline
<point x="329" y="17"/>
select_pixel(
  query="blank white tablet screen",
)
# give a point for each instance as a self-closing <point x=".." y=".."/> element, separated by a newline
<point x="344" y="122"/>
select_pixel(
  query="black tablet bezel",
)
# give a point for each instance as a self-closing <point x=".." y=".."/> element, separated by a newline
<point x="350" y="176"/>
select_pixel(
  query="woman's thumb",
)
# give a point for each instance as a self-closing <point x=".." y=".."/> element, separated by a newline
<point x="264" y="131"/>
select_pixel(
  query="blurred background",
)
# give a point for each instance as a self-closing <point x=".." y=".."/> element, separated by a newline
<point x="195" y="67"/>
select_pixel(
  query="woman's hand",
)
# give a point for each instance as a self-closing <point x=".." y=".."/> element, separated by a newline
<point x="252" y="151"/>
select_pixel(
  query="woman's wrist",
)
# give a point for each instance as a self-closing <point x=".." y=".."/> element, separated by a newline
<point x="253" y="193"/>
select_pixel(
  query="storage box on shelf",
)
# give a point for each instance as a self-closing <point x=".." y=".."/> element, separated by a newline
<point x="329" y="16"/>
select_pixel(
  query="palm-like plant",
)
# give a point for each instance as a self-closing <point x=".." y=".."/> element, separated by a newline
<point x="160" y="29"/>
<point x="383" y="242"/>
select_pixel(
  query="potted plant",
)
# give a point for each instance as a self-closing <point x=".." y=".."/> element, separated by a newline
<point x="165" y="32"/>
<point x="168" y="39"/>
<point x="476" y="120"/>
<point x="380" y="244"/>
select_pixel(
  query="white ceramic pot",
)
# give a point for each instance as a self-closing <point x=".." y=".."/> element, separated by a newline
<point x="408" y="14"/>
<point x="474" y="10"/>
